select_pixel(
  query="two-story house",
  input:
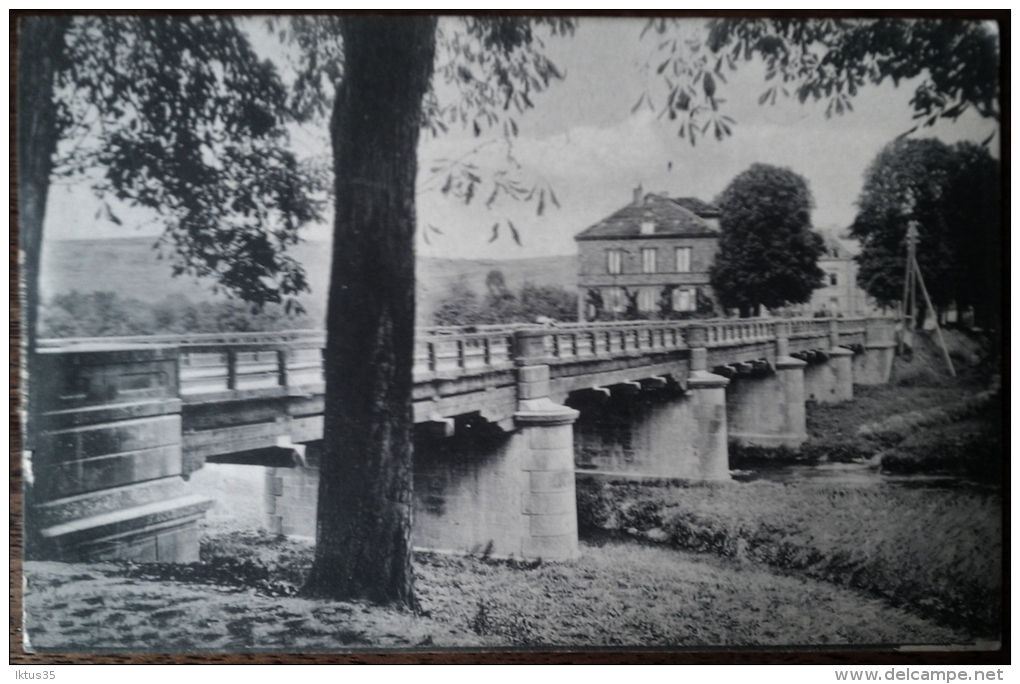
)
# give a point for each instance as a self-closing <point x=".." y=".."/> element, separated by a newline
<point x="839" y="294"/>
<point x="650" y="259"/>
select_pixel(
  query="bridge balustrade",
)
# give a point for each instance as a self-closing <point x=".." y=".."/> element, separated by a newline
<point x="453" y="351"/>
<point x="852" y="326"/>
<point x="572" y="342"/>
<point x="247" y="361"/>
<point x="721" y="333"/>
<point x="811" y="327"/>
<point x="219" y="362"/>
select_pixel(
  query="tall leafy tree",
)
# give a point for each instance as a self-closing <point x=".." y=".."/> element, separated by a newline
<point x="768" y="253"/>
<point x="363" y="534"/>
<point x="974" y="201"/>
<point x="167" y="103"/>
<point x="385" y="96"/>
<point x="905" y="183"/>
<point x="952" y="194"/>
<point x="177" y="115"/>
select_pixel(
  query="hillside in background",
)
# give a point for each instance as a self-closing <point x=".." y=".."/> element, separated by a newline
<point x="130" y="267"/>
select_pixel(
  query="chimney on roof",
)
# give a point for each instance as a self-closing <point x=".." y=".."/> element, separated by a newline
<point x="639" y="195"/>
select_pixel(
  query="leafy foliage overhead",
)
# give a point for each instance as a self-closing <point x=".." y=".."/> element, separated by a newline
<point x="184" y="119"/>
<point x="487" y="72"/>
<point x="824" y="60"/>
<point x="834" y="58"/>
<point x="768" y="253"/>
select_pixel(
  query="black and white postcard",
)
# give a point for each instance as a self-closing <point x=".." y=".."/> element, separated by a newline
<point x="429" y="333"/>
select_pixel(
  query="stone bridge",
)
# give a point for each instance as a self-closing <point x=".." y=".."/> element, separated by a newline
<point x="505" y="416"/>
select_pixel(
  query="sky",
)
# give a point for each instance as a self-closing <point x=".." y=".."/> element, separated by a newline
<point x="583" y="140"/>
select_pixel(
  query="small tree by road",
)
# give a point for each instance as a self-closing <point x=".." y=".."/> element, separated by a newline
<point x="768" y="254"/>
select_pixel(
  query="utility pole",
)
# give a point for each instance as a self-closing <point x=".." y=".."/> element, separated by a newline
<point x="912" y="279"/>
<point x="908" y="305"/>
<point x="938" y="328"/>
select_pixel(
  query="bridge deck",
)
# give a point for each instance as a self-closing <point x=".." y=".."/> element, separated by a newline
<point x="249" y="391"/>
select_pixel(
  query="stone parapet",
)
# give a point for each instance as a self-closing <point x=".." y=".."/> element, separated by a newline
<point x="105" y="478"/>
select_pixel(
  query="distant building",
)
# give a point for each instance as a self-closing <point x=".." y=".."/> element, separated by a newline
<point x="650" y="258"/>
<point x="839" y="293"/>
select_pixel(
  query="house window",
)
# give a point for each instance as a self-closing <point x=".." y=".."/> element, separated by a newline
<point x="648" y="260"/>
<point x="832" y="279"/>
<point x="615" y="299"/>
<point x="647" y="297"/>
<point x="648" y="227"/>
<point x="614" y="261"/>
<point x="683" y="259"/>
<point x="684" y="299"/>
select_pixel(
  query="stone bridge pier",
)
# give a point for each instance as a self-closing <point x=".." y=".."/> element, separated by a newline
<point x="828" y="376"/>
<point x="765" y="403"/>
<point x="873" y="365"/>
<point x="504" y="493"/>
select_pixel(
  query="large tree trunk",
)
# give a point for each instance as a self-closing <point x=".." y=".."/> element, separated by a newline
<point x="40" y="55"/>
<point x="363" y="545"/>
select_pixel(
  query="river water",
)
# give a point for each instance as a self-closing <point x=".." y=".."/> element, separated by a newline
<point x="865" y="474"/>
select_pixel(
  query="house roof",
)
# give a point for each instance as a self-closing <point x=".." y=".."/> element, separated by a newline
<point x="669" y="217"/>
<point x="699" y="207"/>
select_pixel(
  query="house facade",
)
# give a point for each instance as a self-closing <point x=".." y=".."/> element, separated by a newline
<point x="650" y="259"/>
<point x="839" y="293"/>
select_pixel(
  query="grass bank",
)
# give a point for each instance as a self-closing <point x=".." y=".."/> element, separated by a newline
<point x="936" y="553"/>
<point x="616" y="594"/>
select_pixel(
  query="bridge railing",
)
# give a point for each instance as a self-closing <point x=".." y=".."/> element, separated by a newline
<point x="573" y="342"/>
<point x="809" y="327"/>
<point x="251" y="361"/>
<point x="722" y="333"/>
<point x="852" y="326"/>
<point x="189" y="339"/>
<point x="453" y="352"/>
<point x="220" y="362"/>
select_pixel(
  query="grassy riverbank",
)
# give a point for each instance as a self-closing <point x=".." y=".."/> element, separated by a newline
<point x="617" y="594"/>
<point x="935" y="552"/>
